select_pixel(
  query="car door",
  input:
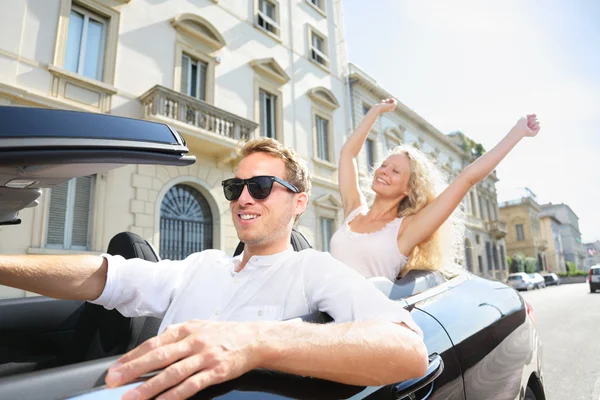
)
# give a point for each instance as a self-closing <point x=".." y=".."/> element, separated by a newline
<point x="36" y="333"/>
<point x="485" y="321"/>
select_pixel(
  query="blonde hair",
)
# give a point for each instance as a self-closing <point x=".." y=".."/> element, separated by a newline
<point x="296" y="171"/>
<point x="444" y="248"/>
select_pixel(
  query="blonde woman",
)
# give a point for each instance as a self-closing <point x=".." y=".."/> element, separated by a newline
<point x="410" y="223"/>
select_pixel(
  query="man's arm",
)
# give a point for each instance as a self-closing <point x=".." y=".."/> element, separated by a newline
<point x="197" y="354"/>
<point x="71" y="277"/>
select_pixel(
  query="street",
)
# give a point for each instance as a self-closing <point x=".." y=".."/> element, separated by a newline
<point x="568" y="320"/>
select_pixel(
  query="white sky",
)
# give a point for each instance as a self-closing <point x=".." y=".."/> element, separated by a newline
<point x="476" y="66"/>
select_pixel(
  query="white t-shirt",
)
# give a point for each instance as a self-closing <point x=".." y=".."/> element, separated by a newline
<point x="278" y="287"/>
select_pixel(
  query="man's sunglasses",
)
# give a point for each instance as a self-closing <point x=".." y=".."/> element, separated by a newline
<point x="259" y="187"/>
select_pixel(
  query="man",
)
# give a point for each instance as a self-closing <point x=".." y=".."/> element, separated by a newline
<point x="222" y="316"/>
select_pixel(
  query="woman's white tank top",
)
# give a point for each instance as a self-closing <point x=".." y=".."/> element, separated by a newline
<point x="371" y="254"/>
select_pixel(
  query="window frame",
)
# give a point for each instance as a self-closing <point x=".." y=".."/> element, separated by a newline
<point x="323" y="54"/>
<point x="274" y="22"/>
<point x="193" y="60"/>
<point x="269" y="76"/>
<point x="111" y="19"/>
<point x="87" y="15"/>
<point x="321" y="8"/>
<point x="274" y="117"/>
<point x="197" y="47"/>
<point x="325" y="245"/>
<point x="522" y="236"/>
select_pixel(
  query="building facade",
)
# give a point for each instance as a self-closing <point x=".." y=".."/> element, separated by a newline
<point x="524" y="233"/>
<point x="217" y="71"/>
<point x="554" y="255"/>
<point x="574" y="249"/>
<point x="592" y="254"/>
<point x="484" y="251"/>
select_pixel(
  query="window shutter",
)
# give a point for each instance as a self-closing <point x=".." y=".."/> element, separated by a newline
<point x="263" y="112"/>
<point x="202" y="80"/>
<point x="57" y="214"/>
<point x="185" y="72"/>
<point x="81" y="212"/>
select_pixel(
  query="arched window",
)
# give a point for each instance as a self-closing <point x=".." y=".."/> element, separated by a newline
<point x="185" y="223"/>
<point x="468" y="254"/>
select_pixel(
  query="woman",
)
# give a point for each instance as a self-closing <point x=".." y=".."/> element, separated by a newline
<point x="409" y="224"/>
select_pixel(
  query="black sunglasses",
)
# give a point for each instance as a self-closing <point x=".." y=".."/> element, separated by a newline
<point x="259" y="187"/>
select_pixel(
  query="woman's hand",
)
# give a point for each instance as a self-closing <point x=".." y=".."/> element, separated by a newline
<point x="386" y="105"/>
<point x="528" y="126"/>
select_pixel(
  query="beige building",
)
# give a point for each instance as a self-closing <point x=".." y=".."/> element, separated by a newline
<point x="524" y="232"/>
<point x="554" y="255"/>
<point x="484" y="250"/>
<point x="216" y="70"/>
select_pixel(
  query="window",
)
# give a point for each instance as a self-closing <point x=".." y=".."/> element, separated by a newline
<point x="488" y="255"/>
<point x="318" y="48"/>
<point x="370" y="149"/>
<point x="495" y="252"/>
<point x="322" y="126"/>
<point x="365" y="109"/>
<point x="267" y="114"/>
<point x="69" y="214"/>
<point x="193" y="77"/>
<point x="468" y="255"/>
<point x="267" y="16"/>
<point x="326" y="232"/>
<point x="480" y="262"/>
<point x="318" y="6"/>
<point x="473" y="205"/>
<point x="489" y="213"/>
<point x="86" y="42"/>
<point x="185" y="223"/>
<point x="480" y="207"/>
<point x="502" y="258"/>
<point x="477" y="240"/>
<point x="520" y="232"/>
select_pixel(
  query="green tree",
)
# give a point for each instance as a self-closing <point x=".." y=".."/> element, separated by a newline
<point x="530" y="265"/>
<point x="517" y="263"/>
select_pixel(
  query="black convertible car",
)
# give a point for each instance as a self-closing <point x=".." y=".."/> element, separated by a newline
<point x="480" y="334"/>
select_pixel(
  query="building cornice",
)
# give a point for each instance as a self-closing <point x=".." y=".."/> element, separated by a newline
<point x="357" y="76"/>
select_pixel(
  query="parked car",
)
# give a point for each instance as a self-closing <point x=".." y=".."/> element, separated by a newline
<point x="520" y="281"/>
<point x="551" y="279"/>
<point x="480" y="333"/>
<point x="538" y="280"/>
<point x="594" y="278"/>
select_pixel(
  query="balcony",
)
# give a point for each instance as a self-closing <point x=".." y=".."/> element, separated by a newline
<point x="209" y="131"/>
<point x="497" y="229"/>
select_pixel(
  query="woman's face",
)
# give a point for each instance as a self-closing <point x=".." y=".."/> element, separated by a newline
<point x="392" y="177"/>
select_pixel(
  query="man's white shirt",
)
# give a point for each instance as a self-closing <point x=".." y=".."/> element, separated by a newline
<point x="277" y="287"/>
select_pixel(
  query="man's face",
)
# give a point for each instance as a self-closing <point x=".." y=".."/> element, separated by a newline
<point x="265" y="224"/>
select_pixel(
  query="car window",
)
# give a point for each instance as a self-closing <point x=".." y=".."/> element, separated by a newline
<point x="596" y="271"/>
<point x="515" y="278"/>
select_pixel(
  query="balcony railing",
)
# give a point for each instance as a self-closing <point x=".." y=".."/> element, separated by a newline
<point x="496" y="229"/>
<point x="168" y="103"/>
<point x="541" y="244"/>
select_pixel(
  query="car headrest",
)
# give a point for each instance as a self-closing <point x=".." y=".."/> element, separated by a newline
<point x="129" y="245"/>
<point x="298" y="240"/>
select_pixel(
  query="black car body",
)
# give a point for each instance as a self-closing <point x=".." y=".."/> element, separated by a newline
<point x="480" y="334"/>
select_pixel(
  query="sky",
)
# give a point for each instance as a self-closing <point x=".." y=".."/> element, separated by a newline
<point x="478" y="65"/>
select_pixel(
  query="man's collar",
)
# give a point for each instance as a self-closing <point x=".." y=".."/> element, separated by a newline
<point x="264" y="261"/>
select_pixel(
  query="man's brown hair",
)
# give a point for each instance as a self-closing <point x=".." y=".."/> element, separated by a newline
<point x="296" y="170"/>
